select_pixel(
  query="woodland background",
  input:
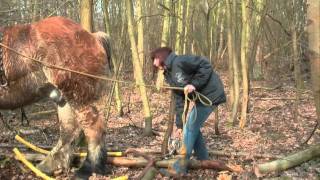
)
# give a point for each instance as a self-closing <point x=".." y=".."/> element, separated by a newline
<point x="266" y="52"/>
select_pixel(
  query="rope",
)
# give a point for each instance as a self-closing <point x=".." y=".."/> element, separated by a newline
<point x="196" y="96"/>
<point x="202" y="98"/>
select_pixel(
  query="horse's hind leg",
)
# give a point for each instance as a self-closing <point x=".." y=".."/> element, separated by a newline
<point x="61" y="155"/>
<point x="92" y="122"/>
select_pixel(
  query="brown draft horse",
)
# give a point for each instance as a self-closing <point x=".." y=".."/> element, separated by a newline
<point x="61" y="42"/>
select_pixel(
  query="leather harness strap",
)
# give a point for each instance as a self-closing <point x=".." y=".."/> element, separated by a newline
<point x="3" y="78"/>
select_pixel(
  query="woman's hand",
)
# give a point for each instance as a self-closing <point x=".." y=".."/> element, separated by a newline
<point x="189" y="88"/>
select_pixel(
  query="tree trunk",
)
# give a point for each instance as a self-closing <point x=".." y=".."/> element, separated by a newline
<point x="35" y="11"/>
<point x="255" y="68"/>
<point x="164" y="147"/>
<point x="138" y="70"/>
<point x="296" y="59"/>
<point x="86" y="14"/>
<point x="186" y="27"/>
<point x="245" y="40"/>
<point x="287" y="162"/>
<point x="117" y="94"/>
<point x="221" y="44"/>
<point x="179" y="30"/>
<point x="314" y="49"/>
<point x="140" y="20"/>
<point x="164" y="38"/>
<point x="233" y="64"/>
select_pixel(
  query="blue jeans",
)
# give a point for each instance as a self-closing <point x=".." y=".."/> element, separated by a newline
<point x="192" y="137"/>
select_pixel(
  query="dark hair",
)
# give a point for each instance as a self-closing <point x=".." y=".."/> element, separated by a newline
<point x="161" y="52"/>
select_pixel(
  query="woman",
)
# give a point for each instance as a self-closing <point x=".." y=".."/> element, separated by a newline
<point x="193" y="73"/>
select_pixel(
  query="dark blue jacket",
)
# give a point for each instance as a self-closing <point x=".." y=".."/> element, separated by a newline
<point x="196" y="70"/>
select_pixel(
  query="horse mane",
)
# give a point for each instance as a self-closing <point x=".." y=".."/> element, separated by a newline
<point x="105" y="41"/>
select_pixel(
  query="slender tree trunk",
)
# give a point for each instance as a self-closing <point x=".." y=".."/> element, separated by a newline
<point x="179" y="30"/>
<point x="255" y="68"/>
<point x="314" y="49"/>
<point x="164" y="38"/>
<point x="233" y="64"/>
<point x="186" y="27"/>
<point x="86" y="14"/>
<point x="164" y="147"/>
<point x="245" y="40"/>
<point x="138" y="70"/>
<point x="35" y="11"/>
<point x="295" y="47"/>
<point x="231" y="52"/>
<point x="117" y="95"/>
<point x="140" y="20"/>
<point x="220" y="36"/>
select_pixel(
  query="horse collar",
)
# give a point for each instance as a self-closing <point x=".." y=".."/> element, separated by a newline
<point x="3" y="78"/>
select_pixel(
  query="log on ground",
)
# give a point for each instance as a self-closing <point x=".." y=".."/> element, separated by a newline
<point x="288" y="161"/>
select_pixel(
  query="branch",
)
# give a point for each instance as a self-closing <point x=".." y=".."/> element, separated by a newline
<point x="273" y="19"/>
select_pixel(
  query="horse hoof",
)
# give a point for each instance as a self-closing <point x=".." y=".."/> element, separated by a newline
<point x="46" y="168"/>
<point x="80" y="175"/>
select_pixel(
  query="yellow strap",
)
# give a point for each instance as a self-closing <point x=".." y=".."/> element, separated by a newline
<point x="21" y="158"/>
<point x="121" y="178"/>
<point x="31" y="146"/>
<point x="43" y="151"/>
<point x="38" y="173"/>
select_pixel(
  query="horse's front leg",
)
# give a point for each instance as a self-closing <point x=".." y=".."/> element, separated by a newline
<point x="62" y="154"/>
<point x="92" y="121"/>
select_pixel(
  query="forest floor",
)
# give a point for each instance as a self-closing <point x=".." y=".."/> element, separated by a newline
<point x="271" y="129"/>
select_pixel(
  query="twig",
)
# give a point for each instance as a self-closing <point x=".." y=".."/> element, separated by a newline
<point x="150" y="159"/>
<point x="42" y="113"/>
<point x="7" y="125"/>
<point x="312" y="133"/>
<point x="267" y="88"/>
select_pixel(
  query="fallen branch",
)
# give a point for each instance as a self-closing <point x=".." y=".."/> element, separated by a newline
<point x="244" y="154"/>
<point x="223" y="153"/>
<point x="287" y="162"/>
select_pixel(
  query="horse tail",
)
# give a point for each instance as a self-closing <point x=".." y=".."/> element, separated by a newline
<point x="104" y="39"/>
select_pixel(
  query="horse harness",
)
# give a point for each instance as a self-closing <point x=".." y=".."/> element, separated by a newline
<point x="3" y="78"/>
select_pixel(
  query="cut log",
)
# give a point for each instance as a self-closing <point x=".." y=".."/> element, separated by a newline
<point x="193" y="164"/>
<point x="141" y="162"/>
<point x="287" y="162"/>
